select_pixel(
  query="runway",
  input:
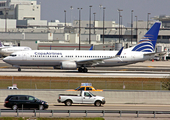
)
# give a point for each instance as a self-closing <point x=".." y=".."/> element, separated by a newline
<point x="91" y="73"/>
<point x="148" y="69"/>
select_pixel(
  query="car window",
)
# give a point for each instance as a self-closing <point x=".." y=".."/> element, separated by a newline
<point x="88" y="88"/>
<point x="77" y="88"/>
<point x="31" y="98"/>
<point x="23" y="98"/>
<point x="14" y="98"/>
<point x="82" y="88"/>
<point x="87" y="94"/>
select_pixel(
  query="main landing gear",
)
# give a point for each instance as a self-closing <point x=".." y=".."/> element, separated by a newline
<point x="80" y="69"/>
<point x="19" y="69"/>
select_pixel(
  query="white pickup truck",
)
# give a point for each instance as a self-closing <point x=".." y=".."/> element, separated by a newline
<point x="85" y="97"/>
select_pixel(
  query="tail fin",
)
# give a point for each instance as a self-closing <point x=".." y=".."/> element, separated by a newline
<point x="148" y="42"/>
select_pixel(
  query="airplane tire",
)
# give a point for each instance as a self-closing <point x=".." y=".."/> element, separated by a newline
<point x="80" y="69"/>
<point x="85" y="70"/>
<point x="19" y="69"/>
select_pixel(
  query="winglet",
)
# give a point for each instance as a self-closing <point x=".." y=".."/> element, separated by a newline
<point x="119" y="52"/>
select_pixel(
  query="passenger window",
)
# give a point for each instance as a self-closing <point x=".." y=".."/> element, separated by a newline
<point x="82" y="88"/>
<point x="88" y="88"/>
<point x="14" y="98"/>
<point x="23" y="98"/>
<point x="30" y="98"/>
<point x="87" y="94"/>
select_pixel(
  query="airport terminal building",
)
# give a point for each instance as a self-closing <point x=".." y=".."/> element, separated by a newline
<point x="21" y="24"/>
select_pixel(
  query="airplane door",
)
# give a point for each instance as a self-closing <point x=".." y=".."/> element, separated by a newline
<point x="24" y="56"/>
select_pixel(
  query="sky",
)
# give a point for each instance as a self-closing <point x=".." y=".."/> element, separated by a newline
<point x="54" y="9"/>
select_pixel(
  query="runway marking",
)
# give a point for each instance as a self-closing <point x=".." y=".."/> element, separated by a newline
<point x="151" y="67"/>
<point x="123" y="70"/>
<point x="4" y="67"/>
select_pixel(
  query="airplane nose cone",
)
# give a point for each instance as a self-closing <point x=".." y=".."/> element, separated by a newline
<point x="6" y="59"/>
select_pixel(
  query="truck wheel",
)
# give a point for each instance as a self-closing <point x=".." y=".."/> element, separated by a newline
<point x="14" y="107"/>
<point x="41" y="107"/>
<point x="68" y="103"/>
<point x="97" y="103"/>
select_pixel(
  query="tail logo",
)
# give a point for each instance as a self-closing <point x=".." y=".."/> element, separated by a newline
<point x="145" y="45"/>
<point x="148" y="42"/>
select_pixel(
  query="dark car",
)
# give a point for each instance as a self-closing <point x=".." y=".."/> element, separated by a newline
<point x="24" y="101"/>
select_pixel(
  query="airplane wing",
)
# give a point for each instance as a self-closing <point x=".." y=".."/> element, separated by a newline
<point x="98" y="60"/>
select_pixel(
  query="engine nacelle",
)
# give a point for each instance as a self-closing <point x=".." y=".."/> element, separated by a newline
<point x="68" y="65"/>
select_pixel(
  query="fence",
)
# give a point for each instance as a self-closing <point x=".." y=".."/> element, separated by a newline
<point x="72" y="84"/>
<point x="120" y="112"/>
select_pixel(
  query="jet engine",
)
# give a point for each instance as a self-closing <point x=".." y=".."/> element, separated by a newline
<point x="68" y="65"/>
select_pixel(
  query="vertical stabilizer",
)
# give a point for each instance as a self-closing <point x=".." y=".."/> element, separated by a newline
<point x="148" y="42"/>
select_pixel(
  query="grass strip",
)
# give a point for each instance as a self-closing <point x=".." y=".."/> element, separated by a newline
<point x="25" y="82"/>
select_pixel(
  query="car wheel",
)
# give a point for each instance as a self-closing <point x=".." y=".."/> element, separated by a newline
<point x="41" y="107"/>
<point x="97" y="103"/>
<point x="68" y="103"/>
<point x="14" y="107"/>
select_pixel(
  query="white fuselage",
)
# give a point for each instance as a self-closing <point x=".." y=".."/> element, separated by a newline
<point x="56" y="57"/>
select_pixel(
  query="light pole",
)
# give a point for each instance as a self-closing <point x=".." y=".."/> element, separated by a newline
<point x="6" y="13"/>
<point x="121" y="26"/>
<point x="100" y="6"/>
<point x="136" y="29"/>
<point x="119" y="22"/>
<point x="131" y="25"/>
<point x="94" y="22"/>
<point x="71" y="8"/>
<point x="148" y="20"/>
<point x="103" y="22"/>
<point x="65" y="17"/>
<point x="90" y="25"/>
<point x="79" y="24"/>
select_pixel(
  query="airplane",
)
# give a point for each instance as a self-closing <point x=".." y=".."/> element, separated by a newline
<point x="7" y="50"/>
<point x="71" y="59"/>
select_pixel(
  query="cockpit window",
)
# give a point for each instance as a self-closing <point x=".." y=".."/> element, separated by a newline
<point x="13" y="55"/>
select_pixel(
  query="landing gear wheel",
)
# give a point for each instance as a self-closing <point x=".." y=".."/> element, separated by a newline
<point x="85" y="70"/>
<point x="80" y="69"/>
<point x="19" y="69"/>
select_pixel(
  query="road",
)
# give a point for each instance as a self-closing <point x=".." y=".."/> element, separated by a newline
<point x="119" y="107"/>
<point x="140" y="107"/>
